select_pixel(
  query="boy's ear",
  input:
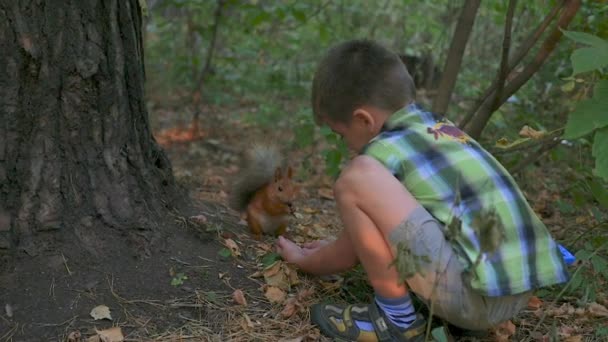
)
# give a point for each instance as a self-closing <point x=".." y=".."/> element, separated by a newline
<point x="364" y="117"/>
<point x="277" y="174"/>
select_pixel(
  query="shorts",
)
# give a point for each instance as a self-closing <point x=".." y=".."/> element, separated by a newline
<point x="441" y="278"/>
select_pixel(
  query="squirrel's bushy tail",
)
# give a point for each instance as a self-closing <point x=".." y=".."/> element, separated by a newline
<point x="260" y="163"/>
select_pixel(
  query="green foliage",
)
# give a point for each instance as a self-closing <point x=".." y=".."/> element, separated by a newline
<point x="178" y="279"/>
<point x="589" y="116"/>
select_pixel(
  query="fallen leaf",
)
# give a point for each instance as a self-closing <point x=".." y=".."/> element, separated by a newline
<point x="233" y="247"/>
<point x="529" y="132"/>
<point x="291" y="307"/>
<point x="275" y="294"/>
<point x="296" y="339"/>
<point x="9" y="310"/>
<point x="326" y="193"/>
<point x="577" y="338"/>
<point x="305" y="293"/>
<point x="276" y="276"/>
<point x="534" y="303"/>
<point x="504" y="331"/>
<point x="239" y="297"/>
<point x="199" y="219"/>
<point x="101" y="312"/>
<point x="74" y="336"/>
<point x="566" y="331"/>
<point x="248" y="322"/>
<point x="309" y="210"/>
<point x="597" y="310"/>
<point x="113" y="334"/>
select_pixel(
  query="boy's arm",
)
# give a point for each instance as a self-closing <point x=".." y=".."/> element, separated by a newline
<point x="332" y="258"/>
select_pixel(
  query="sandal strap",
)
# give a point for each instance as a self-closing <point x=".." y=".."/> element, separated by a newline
<point x="378" y="321"/>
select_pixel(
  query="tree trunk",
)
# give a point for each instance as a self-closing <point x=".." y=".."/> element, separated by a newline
<point x="76" y="148"/>
<point x="455" y="54"/>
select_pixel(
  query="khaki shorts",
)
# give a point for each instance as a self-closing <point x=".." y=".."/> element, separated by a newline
<point x="453" y="300"/>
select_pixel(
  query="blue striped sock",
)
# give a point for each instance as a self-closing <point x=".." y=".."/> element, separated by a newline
<point x="400" y="311"/>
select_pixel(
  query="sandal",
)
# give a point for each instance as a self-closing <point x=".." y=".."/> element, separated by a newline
<point x="338" y="321"/>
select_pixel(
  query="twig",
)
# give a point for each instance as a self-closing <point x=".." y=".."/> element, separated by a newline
<point x="65" y="263"/>
<point x="56" y="324"/>
<point x="486" y="109"/>
<point x="561" y="293"/>
<point x="533" y="157"/>
<point x="533" y="143"/>
<point x="504" y="61"/>
<point x="519" y="55"/>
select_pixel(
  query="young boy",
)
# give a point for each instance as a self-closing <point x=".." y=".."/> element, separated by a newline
<point x="421" y="185"/>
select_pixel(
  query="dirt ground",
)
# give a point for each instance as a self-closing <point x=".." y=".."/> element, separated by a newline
<point x="188" y="287"/>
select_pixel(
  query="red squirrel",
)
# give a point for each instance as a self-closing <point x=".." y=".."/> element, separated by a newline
<point x="264" y="191"/>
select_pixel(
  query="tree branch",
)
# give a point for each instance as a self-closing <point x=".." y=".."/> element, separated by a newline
<point x="506" y="44"/>
<point x="488" y="107"/>
<point x="455" y="54"/>
<point x="514" y="61"/>
<point x="216" y="23"/>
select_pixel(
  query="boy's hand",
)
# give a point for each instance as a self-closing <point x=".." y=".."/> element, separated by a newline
<point x="311" y="247"/>
<point x="291" y="252"/>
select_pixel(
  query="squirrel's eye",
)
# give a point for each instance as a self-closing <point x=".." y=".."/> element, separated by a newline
<point x="280" y="188"/>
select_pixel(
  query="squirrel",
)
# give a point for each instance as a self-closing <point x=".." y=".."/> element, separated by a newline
<point x="264" y="191"/>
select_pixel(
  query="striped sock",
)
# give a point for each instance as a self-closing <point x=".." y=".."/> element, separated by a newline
<point x="400" y="311"/>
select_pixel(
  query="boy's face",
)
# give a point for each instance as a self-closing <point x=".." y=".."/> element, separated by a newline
<point x="363" y="126"/>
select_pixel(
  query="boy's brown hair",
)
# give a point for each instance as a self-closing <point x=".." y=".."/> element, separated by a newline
<point x="356" y="73"/>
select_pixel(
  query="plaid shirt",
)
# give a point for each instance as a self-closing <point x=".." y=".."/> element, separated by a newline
<point x="451" y="175"/>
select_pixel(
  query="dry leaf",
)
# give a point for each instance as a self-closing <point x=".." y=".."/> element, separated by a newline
<point x="566" y="331"/>
<point x="275" y="294"/>
<point x="101" y="312"/>
<point x="305" y="293"/>
<point x="504" y="331"/>
<point x="534" y="303"/>
<point x="9" y="310"/>
<point x="597" y="310"/>
<point x="275" y="276"/>
<point x="577" y="338"/>
<point x="233" y="247"/>
<point x="239" y="297"/>
<point x="113" y="334"/>
<point x="296" y="339"/>
<point x="248" y="322"/>
<point x="528" y="132"/>
<point x="310" y="210"/>
<point x="199" y="219"/>
<point x="326" y="193"/>
<point x="291" y="307"/>
<point x="74" y="336"/>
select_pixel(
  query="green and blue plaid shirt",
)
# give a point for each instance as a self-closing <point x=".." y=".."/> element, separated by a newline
<point x="451" y="175"/>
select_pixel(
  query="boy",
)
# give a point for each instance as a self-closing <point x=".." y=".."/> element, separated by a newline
<point x="421" y="185"/>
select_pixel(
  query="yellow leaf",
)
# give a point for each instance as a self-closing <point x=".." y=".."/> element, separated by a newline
<point x="528" y="132"/>
<point x="101" y="312"/>
<point x="113" y="334"/>
<point x="275" y="294"/>
<point x="233" y="247"/>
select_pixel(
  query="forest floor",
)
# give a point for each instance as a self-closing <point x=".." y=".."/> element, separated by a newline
<point x="208" y="280"/>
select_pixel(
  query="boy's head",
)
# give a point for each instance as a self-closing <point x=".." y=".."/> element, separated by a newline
<point x="356" y="86"/>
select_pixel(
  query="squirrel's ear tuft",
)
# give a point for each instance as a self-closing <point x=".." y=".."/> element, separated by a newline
<point x="277" y="174"/>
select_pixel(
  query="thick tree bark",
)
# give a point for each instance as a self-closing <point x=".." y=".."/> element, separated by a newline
<point x="455" y="54"/>
<point x="75" y="143"/>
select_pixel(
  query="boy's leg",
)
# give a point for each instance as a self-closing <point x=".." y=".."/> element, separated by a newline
<point x="376" y="211"/>
<point x="370" y="203"/>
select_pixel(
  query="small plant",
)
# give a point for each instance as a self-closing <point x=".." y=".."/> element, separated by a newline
<point x="178" y="279"/>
